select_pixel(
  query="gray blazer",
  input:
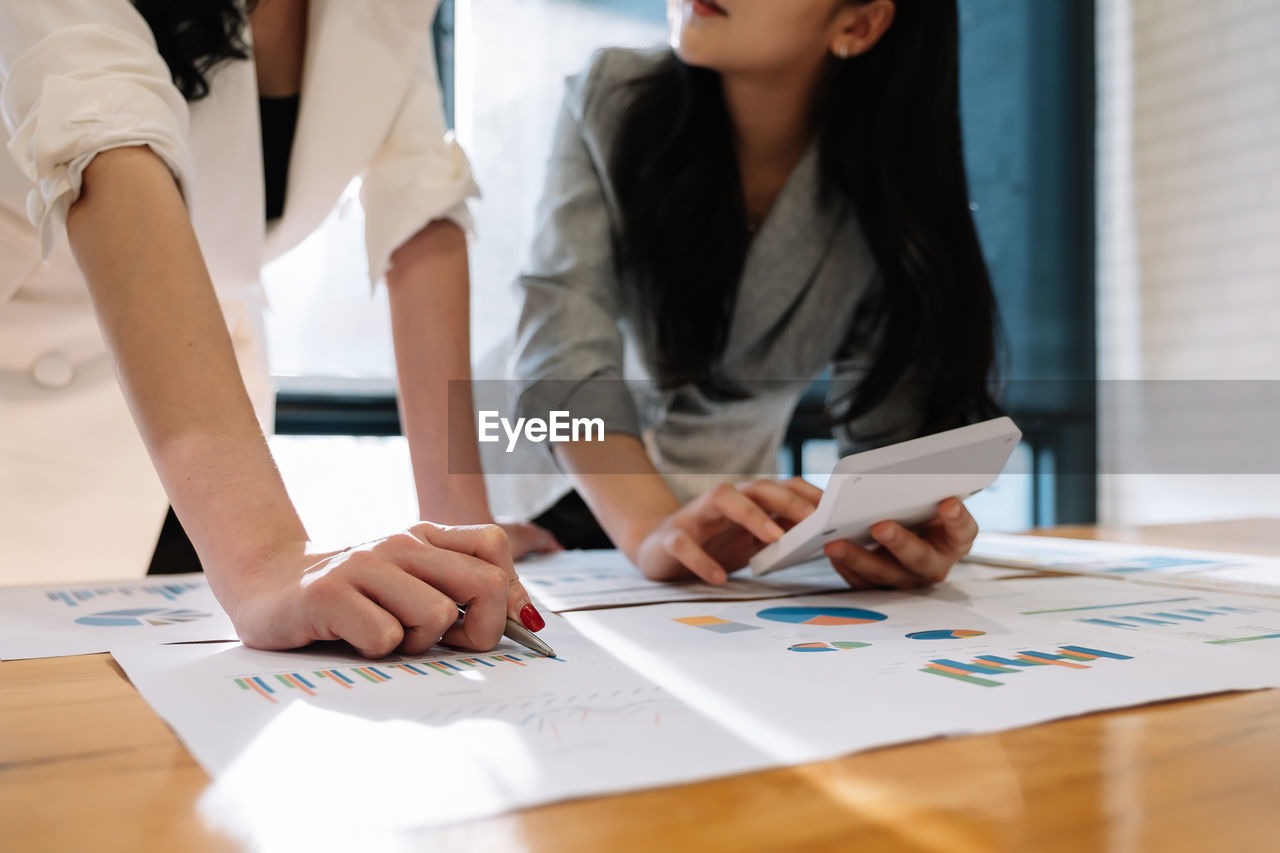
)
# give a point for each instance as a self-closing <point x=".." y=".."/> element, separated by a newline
<point x="806" y="271"/>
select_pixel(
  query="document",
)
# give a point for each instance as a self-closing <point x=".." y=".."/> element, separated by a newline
<point x="638" y="697"/>
<point x="812" y="677"/>
<point x="70" y="619"/>
<point x="1242" y="573"/>
<point x="424" y="740"/>
<point x="1220" y="619"/>
<point x="584" y="580"/>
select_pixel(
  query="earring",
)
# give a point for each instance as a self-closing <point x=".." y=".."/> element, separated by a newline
<point x="843" y="51"/>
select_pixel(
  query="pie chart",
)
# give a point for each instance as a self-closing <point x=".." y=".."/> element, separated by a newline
<point x="945" y="634"/>
<point x="136" y="616"/>
<point x="825" y="647"/>
<point x="821" y="615"/>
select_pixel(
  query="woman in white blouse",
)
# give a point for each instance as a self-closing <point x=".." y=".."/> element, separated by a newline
<point x="136" y="210"/>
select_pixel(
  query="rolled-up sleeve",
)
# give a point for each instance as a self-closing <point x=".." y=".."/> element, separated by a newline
<point x="420" y="173"/>
<point x="79" y="77"/>
<point x="569" y="349"/>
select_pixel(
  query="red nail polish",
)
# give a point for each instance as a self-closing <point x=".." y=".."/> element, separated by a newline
<point x="531" y="618"/>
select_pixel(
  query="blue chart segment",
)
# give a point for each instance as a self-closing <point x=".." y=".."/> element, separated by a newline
<point x="821" y="615"/>
<point x="945" y="634"/>
<point x="139" y="616"/>
<point x="980" y="671"/>
<point x="165" y="591"/>
<point x="1167" y="617"/>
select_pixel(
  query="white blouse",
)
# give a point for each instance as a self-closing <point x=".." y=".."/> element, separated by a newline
<point x="78" y="77"/>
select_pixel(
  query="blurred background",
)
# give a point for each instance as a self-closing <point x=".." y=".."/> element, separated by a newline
<point x="1124" y="160"/>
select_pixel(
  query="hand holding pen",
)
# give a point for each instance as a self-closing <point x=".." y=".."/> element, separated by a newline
<point x="520" y="634"/>
<point x="399" y="593"/>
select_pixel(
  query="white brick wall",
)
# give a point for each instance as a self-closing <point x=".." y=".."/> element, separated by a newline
<point x="1189" y="239"/>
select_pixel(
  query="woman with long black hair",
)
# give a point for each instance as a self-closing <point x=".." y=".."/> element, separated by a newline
<point x="780" y="195"/>
<point x="158" y="153"/>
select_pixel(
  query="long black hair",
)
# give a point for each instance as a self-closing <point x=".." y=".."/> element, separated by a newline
<point x="889" y="137"/>
<point x="195" y="36"/>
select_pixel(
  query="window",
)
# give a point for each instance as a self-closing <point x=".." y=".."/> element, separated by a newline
<point x="512" y="57"/>
<point x="330" y="341"/>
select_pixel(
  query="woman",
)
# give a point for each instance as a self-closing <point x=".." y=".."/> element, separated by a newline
<point x="781" y="195"/>
<point x="163" y="152"/>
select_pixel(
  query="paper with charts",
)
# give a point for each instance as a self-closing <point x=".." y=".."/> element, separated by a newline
<point x="582" y="580"/>
<point x="811" y="677"/>
<point x="425" y="740"/>
<point x="1241" y="573"/>
<point x="80" y="619"/>
<point x="1213" y="618"/>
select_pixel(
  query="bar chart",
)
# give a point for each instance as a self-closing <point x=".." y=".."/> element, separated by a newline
<point x="164" y="591"/>
<point x="980" y="670"/>
<point x="1167" y="617"/>
<point x="276" y="685"/>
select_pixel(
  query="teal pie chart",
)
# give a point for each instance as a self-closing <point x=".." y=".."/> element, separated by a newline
<point x="945" y="634"/>
<point x="826" y="647"/>
<point x="821" y="615"/>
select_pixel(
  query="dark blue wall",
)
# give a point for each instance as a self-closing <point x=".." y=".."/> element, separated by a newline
<point x="1028" y="103"/>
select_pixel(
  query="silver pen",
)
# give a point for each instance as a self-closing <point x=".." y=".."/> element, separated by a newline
<point x="520" y="634"/>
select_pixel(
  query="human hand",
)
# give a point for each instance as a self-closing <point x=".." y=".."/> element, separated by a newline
<point x="397" y="593"/>
<point x="529" y="539"/>
<point x="905" y="559"/>
<point x="717" y="532"/>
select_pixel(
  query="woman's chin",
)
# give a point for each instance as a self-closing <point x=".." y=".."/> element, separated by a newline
<point x="692" y="52"/>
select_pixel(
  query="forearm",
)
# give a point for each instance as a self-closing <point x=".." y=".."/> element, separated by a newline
<point x="628" y="504"/>
<point x="133" y="240"/>
<point x="428" y="285"/>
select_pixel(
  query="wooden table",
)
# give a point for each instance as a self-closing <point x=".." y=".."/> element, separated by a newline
<point x="85" y="764"/>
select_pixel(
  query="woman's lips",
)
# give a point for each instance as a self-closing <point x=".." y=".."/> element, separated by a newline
<point x="707" y="8"/>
